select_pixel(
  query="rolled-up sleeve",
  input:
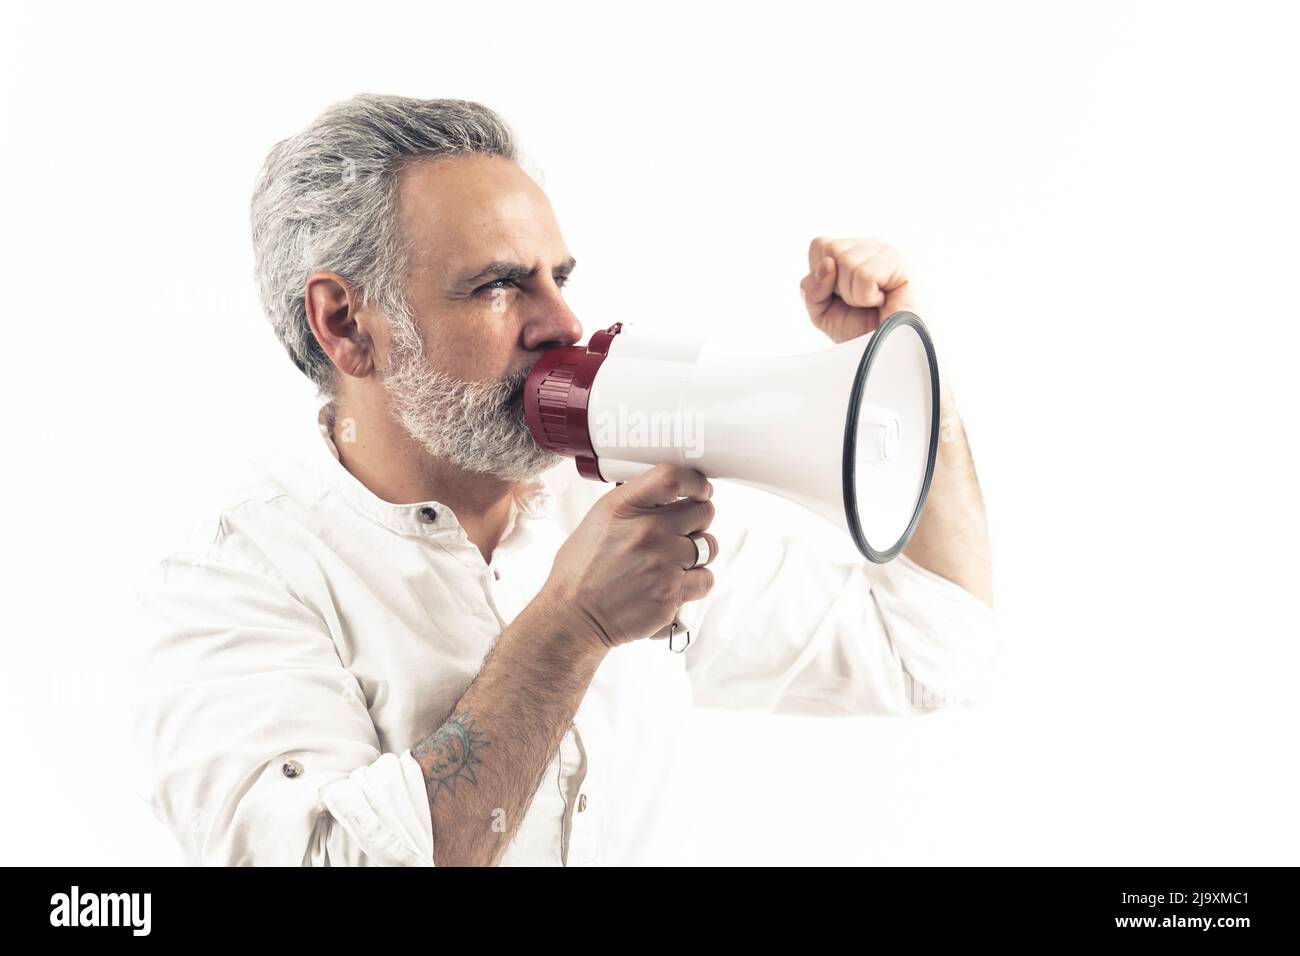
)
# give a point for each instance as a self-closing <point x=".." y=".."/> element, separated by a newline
<point x="253" y="743"/>
<point x="787" y="629"/>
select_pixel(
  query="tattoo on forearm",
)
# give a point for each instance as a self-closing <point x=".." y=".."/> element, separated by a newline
<point x="448" y="755"/>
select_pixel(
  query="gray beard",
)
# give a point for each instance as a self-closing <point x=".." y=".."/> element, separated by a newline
<point x="478" y="426"/>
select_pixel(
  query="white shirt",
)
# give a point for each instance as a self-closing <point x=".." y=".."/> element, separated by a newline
<point x="294" y="653"/>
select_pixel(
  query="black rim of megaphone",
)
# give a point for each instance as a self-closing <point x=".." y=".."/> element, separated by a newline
<point x="851" y="435"/>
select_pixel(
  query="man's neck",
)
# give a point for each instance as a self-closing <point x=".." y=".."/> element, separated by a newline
<point x="396" y="468"/>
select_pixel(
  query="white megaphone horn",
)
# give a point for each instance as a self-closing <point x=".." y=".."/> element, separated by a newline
<point x="849" y="432"/>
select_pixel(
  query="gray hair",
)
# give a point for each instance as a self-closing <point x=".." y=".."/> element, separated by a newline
<point x="326" y="200"/>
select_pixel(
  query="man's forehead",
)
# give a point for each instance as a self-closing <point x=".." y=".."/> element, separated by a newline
<point x="459" y="210"/>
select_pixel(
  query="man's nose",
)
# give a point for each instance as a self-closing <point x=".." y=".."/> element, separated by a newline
<point x="552" y="324"/>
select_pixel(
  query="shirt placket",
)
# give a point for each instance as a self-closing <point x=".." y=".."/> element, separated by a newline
<point x="580" y="829"/>
<point x="586" y="813"/>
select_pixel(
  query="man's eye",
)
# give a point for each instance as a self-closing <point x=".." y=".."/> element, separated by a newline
<point x="497" y="284"/>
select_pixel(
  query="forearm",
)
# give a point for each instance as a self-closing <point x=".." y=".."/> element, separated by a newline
<point x="952" y="537"/>
<point x="483" y="765"/>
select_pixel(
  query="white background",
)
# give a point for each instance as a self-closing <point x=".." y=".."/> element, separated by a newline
<point x="1101" y="204"/>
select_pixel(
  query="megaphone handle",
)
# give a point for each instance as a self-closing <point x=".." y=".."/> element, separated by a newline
<point x="677" y="631"/>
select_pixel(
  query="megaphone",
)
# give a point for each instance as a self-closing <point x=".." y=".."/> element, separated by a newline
<point x="849" y="432"/>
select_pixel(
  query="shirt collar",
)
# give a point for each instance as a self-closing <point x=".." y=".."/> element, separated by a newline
<point x="533" y="498"/>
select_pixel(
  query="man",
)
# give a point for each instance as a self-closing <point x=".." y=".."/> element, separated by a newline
<point x="421" y="643"/>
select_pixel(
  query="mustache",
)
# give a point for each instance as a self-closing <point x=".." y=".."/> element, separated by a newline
<point x="513" y="384"/>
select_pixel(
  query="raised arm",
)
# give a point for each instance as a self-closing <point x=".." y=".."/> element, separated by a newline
<point x="852" y="286"/>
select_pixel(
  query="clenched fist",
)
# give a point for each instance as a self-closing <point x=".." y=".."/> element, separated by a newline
<point x="853" y="285"/>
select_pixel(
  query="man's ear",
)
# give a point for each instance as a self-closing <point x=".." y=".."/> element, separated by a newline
<point x="333" y="311"/>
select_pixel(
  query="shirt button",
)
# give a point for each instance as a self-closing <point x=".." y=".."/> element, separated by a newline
<point x="291" y="768"/>
<point x="582" y="802"/>
<point x="428" y="515"/>
<point x="496" y="574"/>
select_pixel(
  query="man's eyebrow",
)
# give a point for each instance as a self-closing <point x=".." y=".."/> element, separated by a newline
<point x="501" y="269"/>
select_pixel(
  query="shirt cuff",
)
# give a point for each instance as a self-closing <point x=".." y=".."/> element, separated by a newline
<point x="384" y="808"/>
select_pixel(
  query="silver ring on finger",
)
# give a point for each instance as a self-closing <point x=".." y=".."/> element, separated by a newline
<point x="702" y="550"/>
